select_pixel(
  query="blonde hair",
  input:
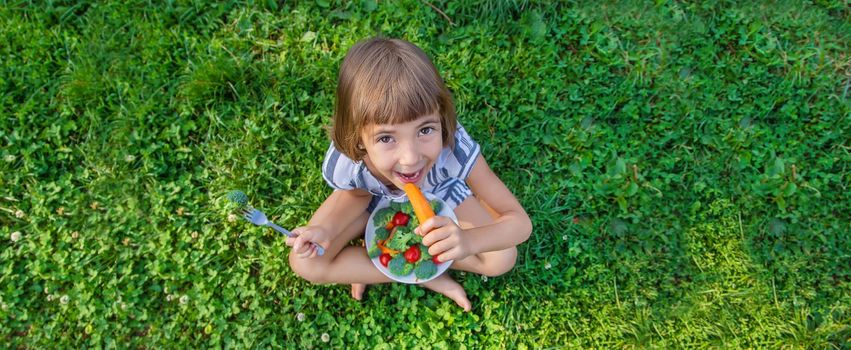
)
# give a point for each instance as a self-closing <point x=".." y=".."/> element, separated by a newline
<point x="387" y="81"/>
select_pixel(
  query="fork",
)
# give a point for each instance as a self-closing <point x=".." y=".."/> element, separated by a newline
<point x="258" y="218"/>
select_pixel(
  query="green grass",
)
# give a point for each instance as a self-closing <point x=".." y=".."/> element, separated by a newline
<point x="683" y="163"/>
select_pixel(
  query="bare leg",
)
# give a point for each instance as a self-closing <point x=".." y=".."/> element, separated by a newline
<point x="474" y="213"/>
<point x="345" y="264"/>
<point x="341" y="263"/>
<point x="444" y="284"/>
<point x="358" y="288"/>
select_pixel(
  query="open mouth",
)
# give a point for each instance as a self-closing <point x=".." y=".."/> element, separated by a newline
<point x="409" y="177"/>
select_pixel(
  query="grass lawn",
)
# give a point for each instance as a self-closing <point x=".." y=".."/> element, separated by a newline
<point x="685" y="165"/>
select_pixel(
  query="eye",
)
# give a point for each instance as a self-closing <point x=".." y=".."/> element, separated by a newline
<point x="384" y="139"/>
<point x="427" y="130"/>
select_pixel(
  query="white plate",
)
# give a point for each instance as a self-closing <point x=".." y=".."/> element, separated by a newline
<point x="370" y="240"/>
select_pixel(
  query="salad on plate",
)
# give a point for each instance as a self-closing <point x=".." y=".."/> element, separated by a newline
<point x="395" y="248"/>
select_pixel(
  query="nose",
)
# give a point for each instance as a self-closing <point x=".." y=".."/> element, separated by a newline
<point x="409" y="155"/>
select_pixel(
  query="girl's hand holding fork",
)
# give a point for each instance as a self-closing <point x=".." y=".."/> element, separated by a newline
<point x="304" y="235"/>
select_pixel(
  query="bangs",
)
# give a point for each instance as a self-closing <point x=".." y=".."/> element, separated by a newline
<point x="387" y="81"/>
<point x="395" y="91"/>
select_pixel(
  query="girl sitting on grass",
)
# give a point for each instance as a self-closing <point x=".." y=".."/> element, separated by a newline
<point x="394" y="123"/>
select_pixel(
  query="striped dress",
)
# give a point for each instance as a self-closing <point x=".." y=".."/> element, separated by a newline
<point x="446" y="179"/>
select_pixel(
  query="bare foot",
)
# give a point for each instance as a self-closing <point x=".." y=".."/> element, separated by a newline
<point x="447" y="286"/>
<point x="357" y="290"/>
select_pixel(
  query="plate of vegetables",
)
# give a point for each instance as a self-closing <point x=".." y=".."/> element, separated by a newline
<point x="393" y="246"/>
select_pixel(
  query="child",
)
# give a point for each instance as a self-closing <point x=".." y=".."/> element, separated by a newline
<point x="394" y="122"/>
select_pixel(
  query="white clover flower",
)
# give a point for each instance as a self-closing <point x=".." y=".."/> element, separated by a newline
<point x="19" y="214"/>
<point x="564" y="237"/>
<point x="184" y="299"/>
<point x="484" y="278"/>
<point x="169" y="297"/>
<point x="300" y="317"/>
<point x="4" y="306"/>
<point x="194" y="235"/>
<point x="129" y="158"/>
<point x="9" y="158"/>
<point x="50" y="297"/>
<point x="15" y="236"/>
<point x="123" y="306"/>
<point x="75" y="235"/>
<point x="64" y="299"/>
<point x="46" y="291"/>
<point x="231" y="217"/>
<point x="325" y="337"/>
<point x="548" y="266"/>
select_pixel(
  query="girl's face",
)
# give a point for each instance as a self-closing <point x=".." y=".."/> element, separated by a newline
<point x="403" y="153"/>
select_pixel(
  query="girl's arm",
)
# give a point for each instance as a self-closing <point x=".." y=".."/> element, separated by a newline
<point x="511" y="227"/>
<point x="338" y="211"/>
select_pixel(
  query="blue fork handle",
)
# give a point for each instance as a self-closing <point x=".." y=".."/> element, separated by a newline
<point x="319" y="249"/>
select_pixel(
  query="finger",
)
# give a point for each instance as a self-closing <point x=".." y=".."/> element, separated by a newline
<point x="434" y="236"/>
<point x="432" y="224"/>
<point x="451" y="254"/>
<point x="442" y="258"/>
<point x="296" y="245"/>
<point x="301" y="245"/>
<point x="440" y="247"/>
<point x="307" y="251"/>
<point x="310" y="250"/>
<point x="290" y="241"/>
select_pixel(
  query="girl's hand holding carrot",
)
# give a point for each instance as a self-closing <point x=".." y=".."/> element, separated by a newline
<point x="443" y="236"/>
<point x="445" y="239"/>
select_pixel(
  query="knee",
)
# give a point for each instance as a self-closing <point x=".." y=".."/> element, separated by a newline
<point x="501" y="263"/>
<point x="311" y="270"/>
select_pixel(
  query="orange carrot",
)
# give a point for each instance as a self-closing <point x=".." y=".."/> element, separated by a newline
<point x="386" y="250"/>
<point x="421" y="205"/>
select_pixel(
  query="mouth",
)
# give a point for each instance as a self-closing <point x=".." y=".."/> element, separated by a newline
<point x="409" y="177"/>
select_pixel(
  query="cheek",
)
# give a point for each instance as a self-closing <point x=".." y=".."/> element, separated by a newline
<point x="382" y="160"/>
<point x="435" y="148"/>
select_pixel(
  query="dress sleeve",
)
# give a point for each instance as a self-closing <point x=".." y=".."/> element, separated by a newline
<point x="463" y="156"/>
<point x="337" y="169"/>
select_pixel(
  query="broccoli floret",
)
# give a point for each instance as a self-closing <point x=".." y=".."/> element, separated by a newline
<point x="382" y="217"/>
<point x="405" y="230"/>
<point x="404" y="237"/>
<point x="398" y="266"/>
<point x="424" y="255"/>
<point x="401" y="239"/>
<point x="373" y="251"/>
<point x="407" y="269"/>
<point x="417" y="239"/>
<point x="407" y="208"/>
<point x="381" y="233"/>
<point x="425" y="269"/>
<point x="238" y="197"/>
